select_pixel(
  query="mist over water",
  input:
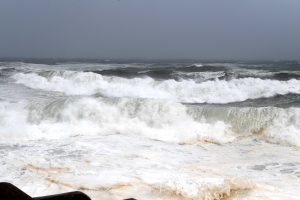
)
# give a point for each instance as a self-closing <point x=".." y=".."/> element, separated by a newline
<point x="169" y="130"/>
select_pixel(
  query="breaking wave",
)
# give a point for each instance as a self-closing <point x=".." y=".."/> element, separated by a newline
<point x="161" y="120"/>
<point x="147" y="118"/>
<point x="188" y="91"/>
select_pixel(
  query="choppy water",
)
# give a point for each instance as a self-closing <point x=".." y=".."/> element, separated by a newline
<point x="151" y="129"/>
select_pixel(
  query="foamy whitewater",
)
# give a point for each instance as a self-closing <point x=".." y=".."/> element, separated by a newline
<point x="151" y="129"/>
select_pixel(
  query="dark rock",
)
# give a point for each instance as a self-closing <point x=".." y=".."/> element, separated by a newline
<point x="65" y="196"/>
<point x="10" y="192"/>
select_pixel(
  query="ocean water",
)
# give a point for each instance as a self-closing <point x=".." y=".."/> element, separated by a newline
<point x="162" y="130"/>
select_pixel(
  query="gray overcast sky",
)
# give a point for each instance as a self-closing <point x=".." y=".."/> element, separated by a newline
<point x="161" y="29"/>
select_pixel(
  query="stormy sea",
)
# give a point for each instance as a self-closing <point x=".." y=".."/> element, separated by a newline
<point x="151" y="129"/>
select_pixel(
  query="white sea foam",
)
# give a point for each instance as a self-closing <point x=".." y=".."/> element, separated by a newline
<point x="217" y="91"/>
<point x="100" y="169"/>
<point x="118" y="167"/>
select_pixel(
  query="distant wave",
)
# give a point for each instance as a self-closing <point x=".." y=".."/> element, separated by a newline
<point x="188" y="91"/>
<point x="197" y="65"/>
